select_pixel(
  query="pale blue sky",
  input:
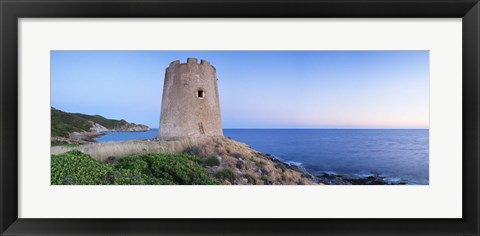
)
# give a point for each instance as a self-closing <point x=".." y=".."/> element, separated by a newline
<point x="258" y="89"/>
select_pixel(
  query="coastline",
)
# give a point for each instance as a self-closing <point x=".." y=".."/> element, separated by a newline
<point x="324" y="176"/>
<point x="103" y="151"/>
<point x="335" y="179"/>
<point x="231" y="157"/>
<point x="89" y="137"/>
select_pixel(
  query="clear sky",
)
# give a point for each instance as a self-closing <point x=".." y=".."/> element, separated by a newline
<point x="258" y="89"/>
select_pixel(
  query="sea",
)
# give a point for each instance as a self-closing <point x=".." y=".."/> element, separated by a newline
<point x="401" y="155"/>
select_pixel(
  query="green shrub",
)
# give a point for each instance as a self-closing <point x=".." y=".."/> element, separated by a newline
<point x="76" y="168"/>
<point x="166" y="169"/>
<point x="148" y="169"/>
<point x="181" y="169"/>
<point x="224" y="173"/>
<point x="211" y="161"/>
<point x="192" y="150"/>
<point x="250" y="178"/>
<point x="133" y="170"/>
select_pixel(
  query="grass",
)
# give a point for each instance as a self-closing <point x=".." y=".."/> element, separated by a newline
<point x="259" y="163"/>
<point x="76" y="168"/>
<point x="63" y="143"/>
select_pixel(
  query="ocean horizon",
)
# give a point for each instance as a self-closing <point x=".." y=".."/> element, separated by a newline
<point x="401" y="155"/>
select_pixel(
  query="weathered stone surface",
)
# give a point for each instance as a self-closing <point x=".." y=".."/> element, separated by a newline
<point x="190" y="102"/>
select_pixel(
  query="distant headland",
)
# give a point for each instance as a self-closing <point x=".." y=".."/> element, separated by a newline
<point x="78" y="128"/>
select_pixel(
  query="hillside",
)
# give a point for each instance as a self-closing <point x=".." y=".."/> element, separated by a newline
<point x="220" y="159"/>
<point x="63" y="124"/>
<point x="107" y="123"/>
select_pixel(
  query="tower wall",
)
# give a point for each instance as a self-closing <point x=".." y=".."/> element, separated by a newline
<point x="190" y="102"/>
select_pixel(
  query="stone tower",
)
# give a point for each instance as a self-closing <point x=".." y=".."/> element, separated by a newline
<point x="190" y="103"/>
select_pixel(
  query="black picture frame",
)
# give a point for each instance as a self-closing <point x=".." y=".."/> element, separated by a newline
<point x="12" y="10"/>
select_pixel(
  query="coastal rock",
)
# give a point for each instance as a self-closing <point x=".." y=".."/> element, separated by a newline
<point x="83" y="137"/>
<point x="264" y="171"/>
<point x="97" y="127"/>
<point x="332" y="179"/>
<point x="212" y="170"/>
<point x="132" y="127"/>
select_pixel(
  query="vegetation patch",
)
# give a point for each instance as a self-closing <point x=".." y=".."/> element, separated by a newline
<point x="64" y="123"/>
<point x="259" y="163"/>
<point x="250" y="178"/>
<point x="192" y="150"/>
<point x="107" y="123"/>
<point x="225" y="174"/>
<point x="76" y="168"/>
<point x="62" y="143"/>
<point x="211" y="161"/>
<point x="264" y="178"/>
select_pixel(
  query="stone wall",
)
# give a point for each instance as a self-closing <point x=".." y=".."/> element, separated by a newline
<point x="190" y="102"/>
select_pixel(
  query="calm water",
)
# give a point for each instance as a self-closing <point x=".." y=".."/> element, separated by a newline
<point x="401" y="155"/>
<point x="125" y="136"/>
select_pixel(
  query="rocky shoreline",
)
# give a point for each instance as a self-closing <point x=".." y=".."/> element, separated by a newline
<point x="98" y="131"/>
<point x="334" y="179"/>
<point x="242" y="161"/>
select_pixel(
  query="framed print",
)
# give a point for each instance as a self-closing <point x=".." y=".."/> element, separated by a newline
<point x="224" y="117"/>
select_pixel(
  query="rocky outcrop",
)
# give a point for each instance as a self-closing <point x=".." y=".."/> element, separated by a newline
<point x="374" y="179"/>
<point x="97" y="127"/>
<point x="83" y="137"/>
<point x="132" y="127"/>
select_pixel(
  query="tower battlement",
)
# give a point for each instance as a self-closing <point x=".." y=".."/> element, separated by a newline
<point x="190" y="101"/>
<point x="191" y="61"/>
